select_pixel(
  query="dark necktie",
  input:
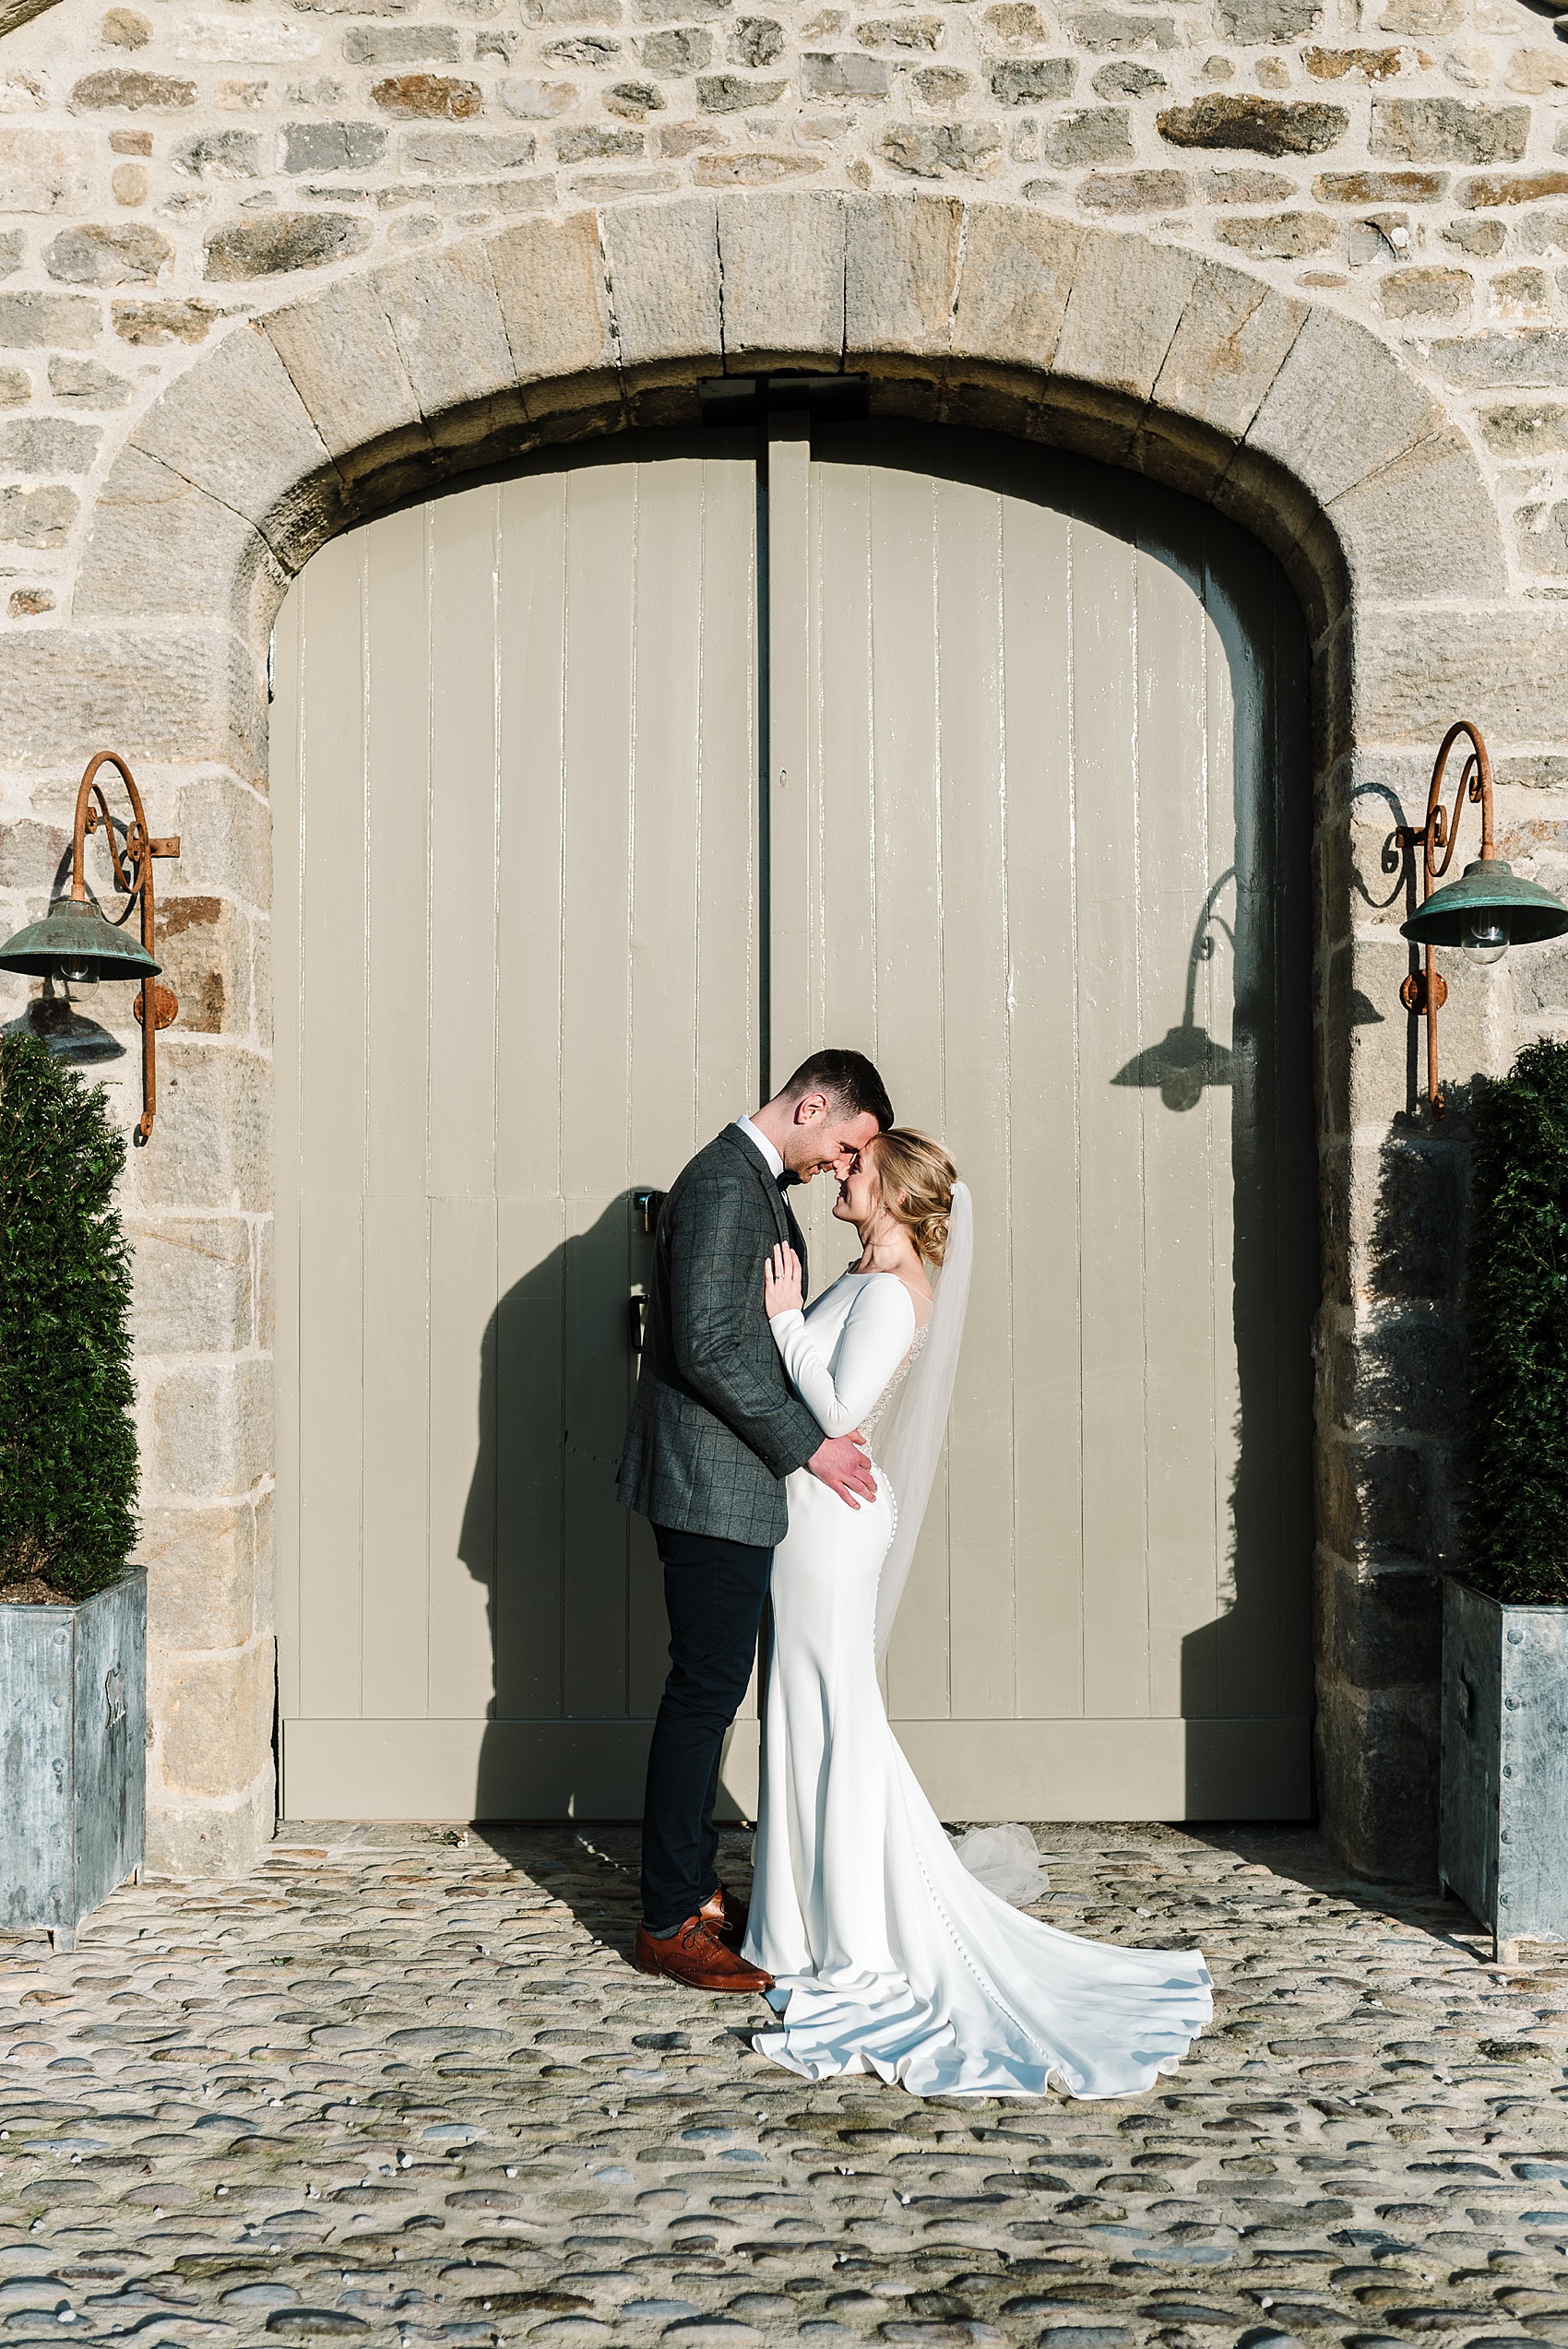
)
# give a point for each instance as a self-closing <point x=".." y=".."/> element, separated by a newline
<point x="784" y="1182"/>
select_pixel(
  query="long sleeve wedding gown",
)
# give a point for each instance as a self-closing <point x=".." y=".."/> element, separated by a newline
<point x="887" y="1956"/>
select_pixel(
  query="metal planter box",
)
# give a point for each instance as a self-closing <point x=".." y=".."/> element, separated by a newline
<point x="73" y="1755"/>
<point x="1503" y="1840"/>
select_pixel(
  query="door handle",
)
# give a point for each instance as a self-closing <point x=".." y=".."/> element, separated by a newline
<point x="636" y="1318"/>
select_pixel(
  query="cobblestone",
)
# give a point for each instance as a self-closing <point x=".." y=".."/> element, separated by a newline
<point x="402" y="2085"/>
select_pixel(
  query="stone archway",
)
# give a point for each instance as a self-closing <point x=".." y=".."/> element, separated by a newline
<point x="1296" y="421"/>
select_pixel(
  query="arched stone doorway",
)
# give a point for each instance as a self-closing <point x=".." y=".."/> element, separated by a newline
<point x="662" y="762"/>
<point x="1288" y="416"/>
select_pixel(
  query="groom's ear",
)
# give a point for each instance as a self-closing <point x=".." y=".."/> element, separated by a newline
<point x="810" y="1108"/>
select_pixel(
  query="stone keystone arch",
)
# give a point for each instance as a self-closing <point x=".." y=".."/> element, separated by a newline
<point x="394" y="382"/>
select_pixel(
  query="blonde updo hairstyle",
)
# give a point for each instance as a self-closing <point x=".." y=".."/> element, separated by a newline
<point x="915" y="1178"/>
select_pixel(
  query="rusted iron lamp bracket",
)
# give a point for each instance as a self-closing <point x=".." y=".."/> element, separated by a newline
<point x="1487" y="910"/>
<point x="1425" y="991"/>
<point x="77" y="942"/>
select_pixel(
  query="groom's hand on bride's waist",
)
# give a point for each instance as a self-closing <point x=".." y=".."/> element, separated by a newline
<point x="842" y="1463"/>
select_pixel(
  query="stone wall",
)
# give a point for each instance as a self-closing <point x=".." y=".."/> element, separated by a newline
<point x="173" y="170"/>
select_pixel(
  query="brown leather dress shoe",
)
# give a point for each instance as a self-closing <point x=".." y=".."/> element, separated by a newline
<point x="694" y="1954"/>
<point x="728" y="1919"/>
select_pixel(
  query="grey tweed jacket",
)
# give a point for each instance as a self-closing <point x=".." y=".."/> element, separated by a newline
<point x="715" y="1427"/>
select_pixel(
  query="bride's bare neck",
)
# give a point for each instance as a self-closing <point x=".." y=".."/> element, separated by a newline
<point x="886" y="1247"/>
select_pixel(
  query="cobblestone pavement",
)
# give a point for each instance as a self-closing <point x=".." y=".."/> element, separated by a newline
<point x="404" y="2083"/>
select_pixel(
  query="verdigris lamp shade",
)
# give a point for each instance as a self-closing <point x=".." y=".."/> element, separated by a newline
<point x="1489" y="895"/>
<point x="74" y="940"/>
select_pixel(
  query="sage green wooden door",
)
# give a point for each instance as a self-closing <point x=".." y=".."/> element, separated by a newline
<point x="1034" y="823"/>
<point x="1039" y="811"/>
<point x="514" y="761"/>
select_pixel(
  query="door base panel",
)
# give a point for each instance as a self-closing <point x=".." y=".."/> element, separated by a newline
<point x="1039" y="1770"/>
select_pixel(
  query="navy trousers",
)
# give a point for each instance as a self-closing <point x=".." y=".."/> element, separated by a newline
<point x="714" y="1591"/>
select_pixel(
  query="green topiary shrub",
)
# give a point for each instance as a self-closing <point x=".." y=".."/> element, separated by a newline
<point x="67" y="1442"/>
<point x="1516" y="1532"/>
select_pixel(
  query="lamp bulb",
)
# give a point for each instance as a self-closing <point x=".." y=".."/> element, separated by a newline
<point x="1485" y="939"/>
<point x="76" y="974"/>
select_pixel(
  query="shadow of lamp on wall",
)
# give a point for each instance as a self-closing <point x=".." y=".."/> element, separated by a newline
<point x="1187" y="1058"/>
<point x="1487" y="910"/>
<point x="77" y="945"/>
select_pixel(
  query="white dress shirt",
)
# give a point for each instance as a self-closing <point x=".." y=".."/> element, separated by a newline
<point x="761" y="1142"/>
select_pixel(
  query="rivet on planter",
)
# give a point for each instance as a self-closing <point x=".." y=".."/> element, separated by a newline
<point x="1516" y="1637"/>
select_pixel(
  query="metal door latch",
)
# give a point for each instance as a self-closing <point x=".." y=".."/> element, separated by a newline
<point x="636" y="1317"/>
<point x="645" y="1205"/>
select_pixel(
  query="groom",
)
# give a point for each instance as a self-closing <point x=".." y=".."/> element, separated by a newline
<point x="715" y="1430"/>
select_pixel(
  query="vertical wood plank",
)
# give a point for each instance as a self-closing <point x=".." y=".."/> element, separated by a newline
<point x="287" y="805"/>
<point x="395" y="690"/>
<point x="1044" y="1174"/>
<point x="968" y="550"/>
<point x="1111" y="1020"/>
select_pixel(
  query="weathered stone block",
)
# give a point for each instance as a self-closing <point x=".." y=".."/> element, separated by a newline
<point x="1424" y="526"/>
<point x="48" y="445"/>
<point x="1527" y="357"/>
<point x="343" y="361"/>
<point x="1503" y="667"/>
<point x="1122" y="29"/>
<point x="1441" y="294"/>
<point x="1375" y="1501"/>
<point x="210" y="1430"/>
<point x="1134" y="192"/>
<point x="149" y="325"/>
<point x="943" y="150"/>
<point x="428" y="97"/>
<point x="1412" y="1197"/>
<point x="1012" y="288"/>
<point x="99" y="256"/>
<point x="42" y="321"/>
<point x="238" y="428"/>
<point x="1281" y="236"/>
<point x="214" y="1130"/>
<point x="1266" y="125"/>
<point x="1082" y="134"/>
<point x="1377" y="1777"/>
<point x="1448" y="130"/>
<point x="549" y="279"/>
<point x="1127" y="301"/>
<point x="1230" y="343"/>
<point x="187" y="693"/>
<point x="664" y="280"/>
<point x="1340" y="407"/>
<point x="848" y="74"/>
<point x="1032" y="81"/>
<point x="192" y="1284"/>
<point x="190" y="1838"/>
<point x="1254" y="22"/>
<point x="200" y="1577"/>
<point x="333" y="146"/>
<point x="212" y="1715"/>
<point x="782" y="268"/>
<point x="219" y="155"/>
<point x="399" y="44"/>
<point x="451" y="335"/>
<point x="901" y="269"/>
<point x="281" y="241"/>
<point x="36" y="519"/>
<point x="124" y="89"/>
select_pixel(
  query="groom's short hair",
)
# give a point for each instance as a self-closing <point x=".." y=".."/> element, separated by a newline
<point x="849" y="1081"/>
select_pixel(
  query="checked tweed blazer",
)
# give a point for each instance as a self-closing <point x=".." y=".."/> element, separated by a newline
<point x="716" y="1426"/>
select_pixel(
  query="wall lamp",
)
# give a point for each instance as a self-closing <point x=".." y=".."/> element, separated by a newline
<point x="1487" y="910"/>
<point x="78" y="943"/>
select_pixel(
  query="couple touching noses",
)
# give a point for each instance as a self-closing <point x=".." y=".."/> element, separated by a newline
<point x="786" y="1445"/>
<point x="714" y="1432"/>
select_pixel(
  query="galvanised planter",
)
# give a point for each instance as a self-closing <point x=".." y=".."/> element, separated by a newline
<point x="73" y="1755"/>
<point x="1503" y="1840"/>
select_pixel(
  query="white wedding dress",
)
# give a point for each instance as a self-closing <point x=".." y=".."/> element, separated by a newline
<point x="887" y="1956"/>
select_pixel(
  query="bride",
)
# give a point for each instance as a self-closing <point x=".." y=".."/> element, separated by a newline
<point x="887" y="1956"/>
